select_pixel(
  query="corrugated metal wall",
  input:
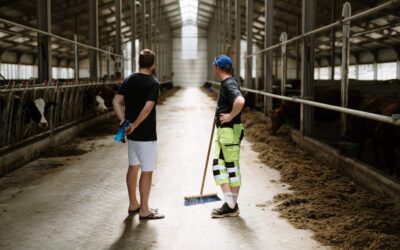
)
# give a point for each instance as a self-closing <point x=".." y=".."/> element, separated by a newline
<point x="189" y="72"/>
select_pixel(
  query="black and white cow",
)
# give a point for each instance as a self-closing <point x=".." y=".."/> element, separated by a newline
<point x="36" y="110"/>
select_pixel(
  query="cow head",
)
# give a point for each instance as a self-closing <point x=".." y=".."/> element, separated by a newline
<point x="37" y="110"/>
<point x="277" y="120"/>
<point x="99" y="104"/>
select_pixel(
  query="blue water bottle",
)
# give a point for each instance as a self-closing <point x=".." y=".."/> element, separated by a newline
<point x="120" y="136"/>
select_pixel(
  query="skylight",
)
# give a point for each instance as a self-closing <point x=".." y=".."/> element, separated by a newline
<point x="189" y="10"/>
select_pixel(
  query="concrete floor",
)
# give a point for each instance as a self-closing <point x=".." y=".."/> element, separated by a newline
<point x="83" y="204"/>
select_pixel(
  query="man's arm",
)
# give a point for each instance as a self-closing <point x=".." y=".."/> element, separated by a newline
<point x="237" y="106"/>
<point x="148" y="107"/>
<point x="118" y="104"/>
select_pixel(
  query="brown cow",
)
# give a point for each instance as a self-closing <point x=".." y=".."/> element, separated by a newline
<point x="388" y="140"/>
<point x="385" y="137"/>
<point x="107" y="93"/>
<point x="291" y="110"/>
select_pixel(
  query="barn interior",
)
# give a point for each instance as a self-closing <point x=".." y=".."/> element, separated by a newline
<point x="321" y="75"/>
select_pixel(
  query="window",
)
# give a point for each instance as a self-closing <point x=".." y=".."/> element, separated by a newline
<point x="62" y="73"/>
<point x="18" y="71"/>
<point x="352" y="72"/>
<point x="189" y="41"/>
<point x="387" y="71"/>
<point x="324" y="73"/>
<point x="316" y="73"/>
<point x="366" y="72"/>
<point x="243" y="49"/>
<point x="338" y="72"/>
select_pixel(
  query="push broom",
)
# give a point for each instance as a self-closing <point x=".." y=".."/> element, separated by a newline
<point x="203" y="198"/>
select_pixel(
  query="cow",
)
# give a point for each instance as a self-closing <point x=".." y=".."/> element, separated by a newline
<point x="291" y="110"/>
<point x="360" y="129"/>
<point x="28" y="113"/>
<point x="107" y="93"/>
<point x="387" y="137"/>
<point x="99" y="99"/>
<point x="35" y="111"/>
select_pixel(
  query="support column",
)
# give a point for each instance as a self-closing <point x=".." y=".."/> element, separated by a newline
<point x="298" y="59"/>
<point x="398" y="64"/>
<point x="229" y="22"/>
<point x="143" y="44"/>
<point x="333" y="38"/>
<point x="345" y="65"/>
<point x="357" y="65"/>
<point x="283" y="38"/>
<point x="118" y="38"/>
<point x="150" y="22"/>
<point x="218" y="28"/>
<point x="76" y="50"/>
<point x="307" y="69"/>
<point x="76" y="59"/>
<point x="93" y="38"/>
<point x="237" y="37"/>
<point x="209" y="51"/>
<point x="133" y="35"/>
<point x="44" y="42"/>
<point x="249" y="30"/>
<point x="108" y="63"/>
<point x="375" y="55"/>
<point x="268" y="62"/>
<point x="225" y="19"/>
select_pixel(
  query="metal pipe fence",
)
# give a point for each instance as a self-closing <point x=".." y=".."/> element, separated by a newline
<point x="345" y="23"/>
<point x="370" y="11"/>
<point x="74" y="103"/>
<point x="358" y="113"/>
<point x="59" y="37"/>
<point x="69" y="104"/>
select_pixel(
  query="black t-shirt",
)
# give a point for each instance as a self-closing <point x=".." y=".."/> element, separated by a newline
<point x="227" y="94"/>
<point x="137" y="89"/>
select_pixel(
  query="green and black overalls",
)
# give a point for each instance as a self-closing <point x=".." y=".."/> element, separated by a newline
<point x="226" y="167"/>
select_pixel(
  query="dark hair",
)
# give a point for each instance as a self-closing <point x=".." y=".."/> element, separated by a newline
<point x="146" y="58"/>
<point x="227" y="69"/>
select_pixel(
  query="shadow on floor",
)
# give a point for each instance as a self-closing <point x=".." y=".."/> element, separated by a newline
<point x="136" y="235"/>
<point x="238" y="227"/>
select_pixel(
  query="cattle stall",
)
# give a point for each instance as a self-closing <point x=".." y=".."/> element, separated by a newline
<point x="29" y="111"/>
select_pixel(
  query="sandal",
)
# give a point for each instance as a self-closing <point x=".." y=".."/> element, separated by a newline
<point x="152" y="216"/>
<point x="155" y="210"/>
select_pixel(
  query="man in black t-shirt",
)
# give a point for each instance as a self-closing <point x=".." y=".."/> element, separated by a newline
<point x="139" y="93"/>
<point x="226" y="167"/>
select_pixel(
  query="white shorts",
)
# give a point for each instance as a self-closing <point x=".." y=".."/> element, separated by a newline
<point x="143" y="153"/>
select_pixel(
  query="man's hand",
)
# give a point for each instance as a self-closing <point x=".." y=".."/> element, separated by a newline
<point x="129" y="130"/>
<point x="225" y="118"/>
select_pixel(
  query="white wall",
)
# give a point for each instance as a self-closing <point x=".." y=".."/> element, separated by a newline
<point x="189" y="72"/>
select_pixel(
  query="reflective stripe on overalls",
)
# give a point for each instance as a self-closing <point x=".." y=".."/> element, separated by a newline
<point x="226" y="167"/>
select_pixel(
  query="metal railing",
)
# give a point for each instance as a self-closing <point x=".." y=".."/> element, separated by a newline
<point x="71" y="106"/>
<point x="370" y="11"/>
<point x="345" y="23"/>
<point x="363" y="114"/>
<point x="59" y="37"/>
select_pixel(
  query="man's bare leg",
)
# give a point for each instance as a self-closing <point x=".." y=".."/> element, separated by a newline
<point x="131" y="181"/>
<point x="226" y="188"/>
<point x="144" y="188"/>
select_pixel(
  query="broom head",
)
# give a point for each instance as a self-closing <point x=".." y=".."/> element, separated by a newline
<point x="200" y="199"/>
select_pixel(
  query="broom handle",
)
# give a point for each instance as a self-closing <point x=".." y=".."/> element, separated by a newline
<point x="208" y="157"/>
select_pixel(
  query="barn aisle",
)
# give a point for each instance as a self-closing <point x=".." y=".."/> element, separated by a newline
<point x="83" y="204"/>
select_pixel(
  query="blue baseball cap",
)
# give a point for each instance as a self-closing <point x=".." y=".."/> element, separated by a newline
<point x="223" y="62"/>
